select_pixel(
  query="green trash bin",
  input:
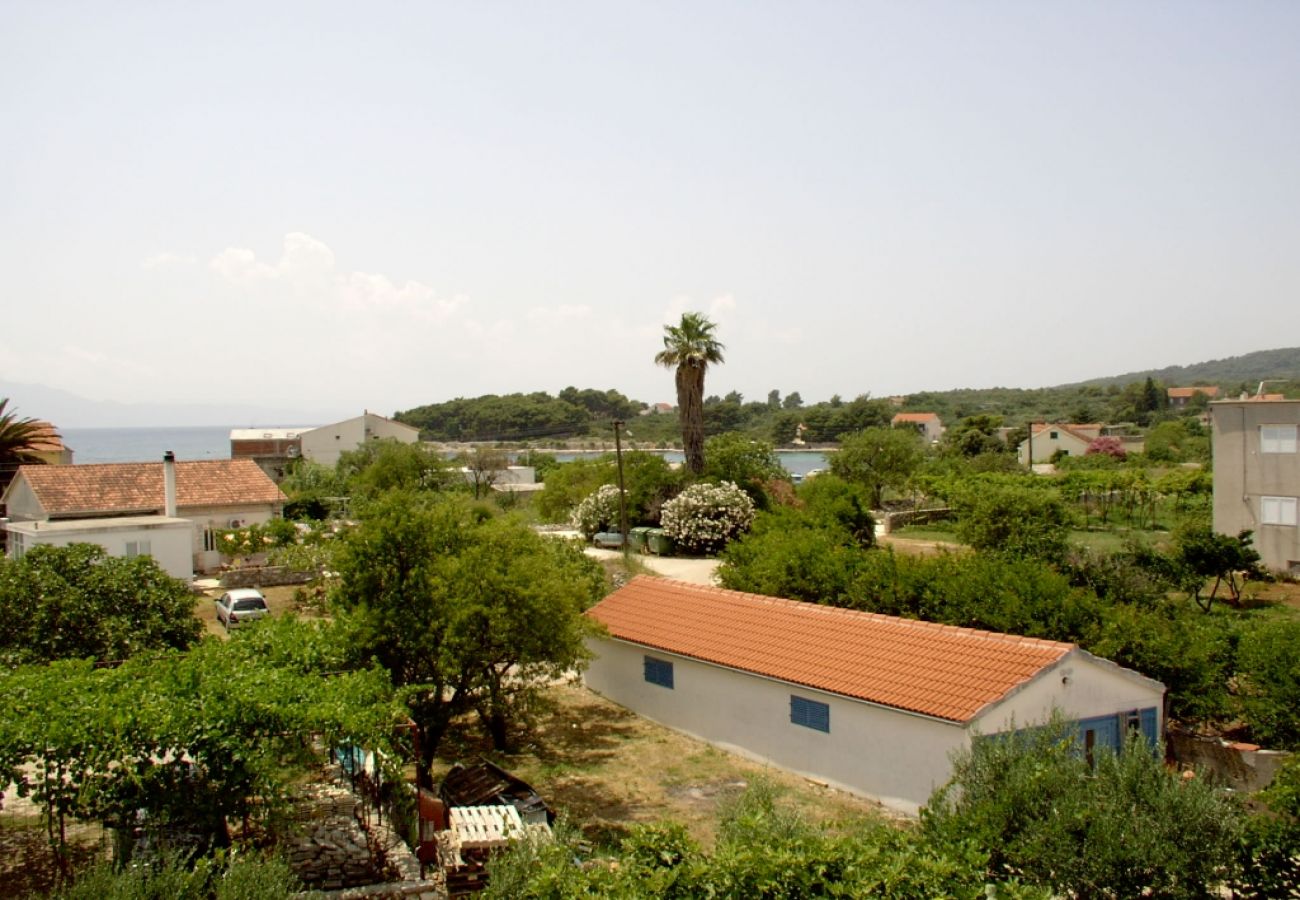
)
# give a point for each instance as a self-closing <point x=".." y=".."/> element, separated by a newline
<point x="660" y="543"/>
<point x="637" y="538"/>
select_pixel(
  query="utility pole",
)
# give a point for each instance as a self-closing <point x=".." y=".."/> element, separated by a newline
<point x="622" y="491"/>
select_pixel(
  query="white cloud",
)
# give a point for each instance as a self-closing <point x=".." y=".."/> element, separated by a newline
<point x="308" y="266"/>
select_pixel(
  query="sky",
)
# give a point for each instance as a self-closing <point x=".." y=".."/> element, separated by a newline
<point x="337" y="206"/>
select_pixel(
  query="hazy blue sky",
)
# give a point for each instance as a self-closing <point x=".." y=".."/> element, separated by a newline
<point x="338" y="205"/>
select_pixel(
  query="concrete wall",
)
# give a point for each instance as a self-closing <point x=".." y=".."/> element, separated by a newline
<point x="875" y="751"/>
<point x="325" y="444"/>
<point x="1243" y="475"/>
<point x="168" y="539"/>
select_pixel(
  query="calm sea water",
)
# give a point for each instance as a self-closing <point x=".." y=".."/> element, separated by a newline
<point x="104" y="445"/>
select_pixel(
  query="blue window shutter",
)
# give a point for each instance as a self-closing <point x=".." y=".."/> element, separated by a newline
<point x="810" y="714"/>
<point x="1149" y="725"/>
<point x="659" y="671"/>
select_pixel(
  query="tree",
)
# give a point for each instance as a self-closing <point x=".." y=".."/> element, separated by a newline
<point x="485" y="465"/>
<point x="789" y="553"/>
<point x="690" y="348"/>
<point x="774" y="399"/>
<point x="878" y="458"/>
<point x="18" y="438"/>
<point x="380" y="466"/>
<point x="1269" y="682"/>
<point x="1206" y="554"/>
<point x="1008" y="518"/>
<point x="792" y="401"/>
<point x="77" y="602"/>
<point x="750" y="464"/>
<point x="975" y="435"/>
<point x="448" y="602"/>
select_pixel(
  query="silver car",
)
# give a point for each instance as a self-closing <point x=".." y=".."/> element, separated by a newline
<point x="243" y="605"/>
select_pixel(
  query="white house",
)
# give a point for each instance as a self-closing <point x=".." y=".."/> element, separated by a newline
<point x="927" y="424"/>
<point x="209" y="495"/>
<point x="167" y="540"/>
<point x="327" y="443"/>
<point x="868" y="703"/>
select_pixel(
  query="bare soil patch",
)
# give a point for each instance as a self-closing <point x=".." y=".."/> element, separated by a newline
<point x="279" y="599"/>
<point x="606" y="769"/>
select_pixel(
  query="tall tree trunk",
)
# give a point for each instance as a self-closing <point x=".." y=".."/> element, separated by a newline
<point x="690" y="407"/>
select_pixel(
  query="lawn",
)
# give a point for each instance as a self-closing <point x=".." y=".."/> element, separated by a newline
<point x="605" y="768"/>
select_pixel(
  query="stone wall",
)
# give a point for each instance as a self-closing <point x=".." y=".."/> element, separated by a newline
<point x="262" y="576"/>
<point x="895" y="520"/>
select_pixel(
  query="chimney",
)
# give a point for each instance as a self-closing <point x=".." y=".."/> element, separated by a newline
<point x="169" y="484"/>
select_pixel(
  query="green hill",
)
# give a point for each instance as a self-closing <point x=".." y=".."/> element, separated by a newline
<point x="1252" y="367"/>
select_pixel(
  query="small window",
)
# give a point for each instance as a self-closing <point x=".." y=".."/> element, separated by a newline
<point x="137" y="548"/>
<point x="209" y="538"/>
<point x="810" y="714"/>
<point x="659" y="671"/>
<point x="250" y="603"/>
<point x="1277" y="510"/>
<point x="1277" y="439"/>
<point x="1053" y="435"/>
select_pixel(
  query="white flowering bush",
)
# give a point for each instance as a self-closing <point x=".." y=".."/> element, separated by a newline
<point x="704" y="517"/>
<point x="597" y="511"/>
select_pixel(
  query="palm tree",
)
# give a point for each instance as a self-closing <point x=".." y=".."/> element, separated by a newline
<point x="18" y="437"/>
<point x="689" y="347"/>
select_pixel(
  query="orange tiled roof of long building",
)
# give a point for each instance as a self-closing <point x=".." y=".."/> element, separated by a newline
<point x="937" y="670"/>
<point x="138" y="487"/>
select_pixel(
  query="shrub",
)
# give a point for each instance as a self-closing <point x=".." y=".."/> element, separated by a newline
<point x="704" y="517"/>
<point x="787" y="553"/>
<point x="1126" y="827"/>
<point x="1269" y="682"/>
<point x="598" y="511"/>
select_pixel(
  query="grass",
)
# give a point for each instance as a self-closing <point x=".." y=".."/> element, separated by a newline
<point x="605" y="769"/>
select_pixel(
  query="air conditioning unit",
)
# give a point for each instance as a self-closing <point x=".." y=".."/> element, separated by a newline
<point x="293" y="451"/>
<point x="237" y="523"/>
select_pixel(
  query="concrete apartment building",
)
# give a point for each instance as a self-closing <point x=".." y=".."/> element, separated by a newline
<point x="1257" y="476"/>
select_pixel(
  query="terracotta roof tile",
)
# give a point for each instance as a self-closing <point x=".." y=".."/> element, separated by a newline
<point x="915" y="417"/>
<point x="1209" y="390"/>
<point x="938" y="670"/>
<point x="138" y="487"/>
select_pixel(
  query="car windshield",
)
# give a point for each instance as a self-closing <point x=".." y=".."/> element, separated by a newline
<point x="251" y="603"/>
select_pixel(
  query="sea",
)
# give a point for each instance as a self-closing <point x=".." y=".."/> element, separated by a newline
<point x="109" y="445"/>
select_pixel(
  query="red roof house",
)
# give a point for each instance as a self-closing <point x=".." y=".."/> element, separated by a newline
<point x="871" y="703"/>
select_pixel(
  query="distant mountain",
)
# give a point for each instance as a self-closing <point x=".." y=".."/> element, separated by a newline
<point x="1252" y="367"/>
<point x="68" y="410"/>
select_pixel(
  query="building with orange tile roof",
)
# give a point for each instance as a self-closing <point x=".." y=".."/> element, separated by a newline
<point x="872" y="704"/>
<point x="210" y="495"/>
<point x="1179" y="397"/>
<point x="927" y="423"/>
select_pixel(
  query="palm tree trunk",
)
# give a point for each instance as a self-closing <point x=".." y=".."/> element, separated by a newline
<point x="690" y="408"/>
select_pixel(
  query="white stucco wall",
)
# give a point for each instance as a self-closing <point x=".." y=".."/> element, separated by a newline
<point x="325" y="444"/>
<point x="168" y="539"/>
<point x="217" y="518"/>
<point x="892" y="756"/>
<point x="21" y="503"/>
<point x="1081" y="686"/>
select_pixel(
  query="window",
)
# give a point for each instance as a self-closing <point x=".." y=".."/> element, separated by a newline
<point x="810" y="714"/>
<point x="1277" y="439"/>
<point x="137" y="548"/>
<point x="659" y="671"/>
<point x="209" y="538"/>
<point x="1277" y="510"/>
<point x="1053" y="435"/>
